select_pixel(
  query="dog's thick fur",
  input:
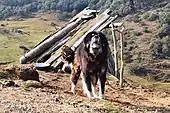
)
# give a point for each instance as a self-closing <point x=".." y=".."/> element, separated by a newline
<point x="91" y="63"/>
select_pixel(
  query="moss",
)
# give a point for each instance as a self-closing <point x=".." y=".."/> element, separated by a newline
<point x="31" y="83"/>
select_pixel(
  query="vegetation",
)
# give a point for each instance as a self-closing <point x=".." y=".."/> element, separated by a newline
<point x="24" y="8"/>
<point x="30" y="36"/>
<point x="161" y="47"/>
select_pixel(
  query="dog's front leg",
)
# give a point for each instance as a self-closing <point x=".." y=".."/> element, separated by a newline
<point x="102" y="80"/>
<point x="86" y="85"/>
<point x="74" y="78"/>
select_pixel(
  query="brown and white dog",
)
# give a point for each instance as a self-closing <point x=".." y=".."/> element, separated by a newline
<point x="90" y="62"/>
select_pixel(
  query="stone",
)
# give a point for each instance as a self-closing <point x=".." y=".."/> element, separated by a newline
<point x="28" y="73"/>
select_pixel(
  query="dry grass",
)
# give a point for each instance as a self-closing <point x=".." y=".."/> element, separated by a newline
<point x="35" y="29"/>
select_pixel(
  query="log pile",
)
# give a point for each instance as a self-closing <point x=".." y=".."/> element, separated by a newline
<point x="49" y="50"/>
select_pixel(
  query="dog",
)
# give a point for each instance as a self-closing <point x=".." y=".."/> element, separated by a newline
<point x="90" y="62"/>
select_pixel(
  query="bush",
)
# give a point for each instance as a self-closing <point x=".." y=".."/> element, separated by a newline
<point x="136" y="69"/>
<point x="146" y="30"/>
<point x="165" y="18"/>
<point x="146" y="15"/>
<point x="63" y="16"/>
<point x="164" y="30"/>
<point x="168" y="5"/>
<point x="150" y="16"/>
<point x="137" y="33"/>
<point x="160" y="48"/>
<point x="153" y="17"/>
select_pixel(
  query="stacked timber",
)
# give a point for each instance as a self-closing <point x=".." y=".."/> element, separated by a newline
<point x="71" y="35"/>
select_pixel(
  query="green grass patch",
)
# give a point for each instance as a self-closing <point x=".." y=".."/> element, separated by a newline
<point x="31" y="83"/>
<point x="34" y="30"/>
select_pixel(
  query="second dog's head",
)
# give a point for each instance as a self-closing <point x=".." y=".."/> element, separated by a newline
<point x="95" y="43"/>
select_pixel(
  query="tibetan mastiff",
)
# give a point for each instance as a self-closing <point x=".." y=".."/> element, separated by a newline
<point x="90" y="62"/>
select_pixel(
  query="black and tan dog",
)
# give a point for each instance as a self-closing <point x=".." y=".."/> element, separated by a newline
<point x="90" y="62"/>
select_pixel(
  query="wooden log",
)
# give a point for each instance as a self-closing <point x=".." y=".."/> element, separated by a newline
<point x="48" y="53"/>
<point x="85" y="14"/>
<point x="49" y="42"/>
<point x="115" y="51"/>
<point x="110" y="20"/>
<point x="45" y="56"/>
<point x="121" y="58"/>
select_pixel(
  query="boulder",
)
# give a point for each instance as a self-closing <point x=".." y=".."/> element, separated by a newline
<point x="28" y="73"/>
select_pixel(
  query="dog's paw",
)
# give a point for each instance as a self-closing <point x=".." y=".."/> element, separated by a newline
<point x="73" y="88"/>
<point x="101" y="97"/>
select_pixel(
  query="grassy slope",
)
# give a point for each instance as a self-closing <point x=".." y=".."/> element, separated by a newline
<point x="141" y="53"/>
<point x="35" y="29"/>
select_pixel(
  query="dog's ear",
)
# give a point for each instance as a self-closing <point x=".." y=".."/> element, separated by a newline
<point x="103" y="39"/>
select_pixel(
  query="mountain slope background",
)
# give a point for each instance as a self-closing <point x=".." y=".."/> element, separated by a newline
<point x="26" y="7"/>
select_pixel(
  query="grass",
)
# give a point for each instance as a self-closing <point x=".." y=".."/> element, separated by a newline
<point x="31" y="83"/>
<point x="35" y="29"/>
<point x="151" y="84"/>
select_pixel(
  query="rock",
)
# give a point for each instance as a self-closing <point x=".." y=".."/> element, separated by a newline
<point x="3" y="75"/>
<point x="28" y="73"/>
<point x="32" y="83"/>
<point x="166" y="76"/>
<point x="7" y="83"/>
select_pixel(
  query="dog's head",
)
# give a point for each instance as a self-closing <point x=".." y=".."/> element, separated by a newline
<point x="95" y="43"/>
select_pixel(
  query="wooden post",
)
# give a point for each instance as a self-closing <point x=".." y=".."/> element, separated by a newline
<point x="121" y="58"/>
<point x="115" y="50"/>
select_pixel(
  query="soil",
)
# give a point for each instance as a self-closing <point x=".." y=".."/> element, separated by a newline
<point x="55" y="97"/>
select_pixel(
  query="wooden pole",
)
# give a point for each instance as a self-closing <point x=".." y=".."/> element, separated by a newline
<point x="121" y="57"/>
<point x="115" y="50"/>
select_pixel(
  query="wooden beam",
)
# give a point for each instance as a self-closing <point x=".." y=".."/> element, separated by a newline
<point x="121" y="58"/>
<point x="115" y="51"/>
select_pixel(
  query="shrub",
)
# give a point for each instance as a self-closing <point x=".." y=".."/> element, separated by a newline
<point x="137" y="69"/>
<point x="146" y="15"/>
<point x="168" y="5"/>
<point x="153" y="17"/>
<point x="146" y="30"/>
<point x="165" y="18"/>
<point x="63" y="15"/>
<point x="150" y="16"/>
<point x="160" y="47"/>
<point x="164" y="30"/>
<point x="137" y="33"/>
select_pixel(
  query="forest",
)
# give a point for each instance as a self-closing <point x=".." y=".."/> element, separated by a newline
<point x="24" y="8"/>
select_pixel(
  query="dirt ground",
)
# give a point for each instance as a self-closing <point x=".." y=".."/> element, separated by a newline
<point x="55" y="97"/>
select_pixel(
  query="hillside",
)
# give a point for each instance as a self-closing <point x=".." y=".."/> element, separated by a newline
<point x="25" y="8"/>
<point x="15" y="34"/>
